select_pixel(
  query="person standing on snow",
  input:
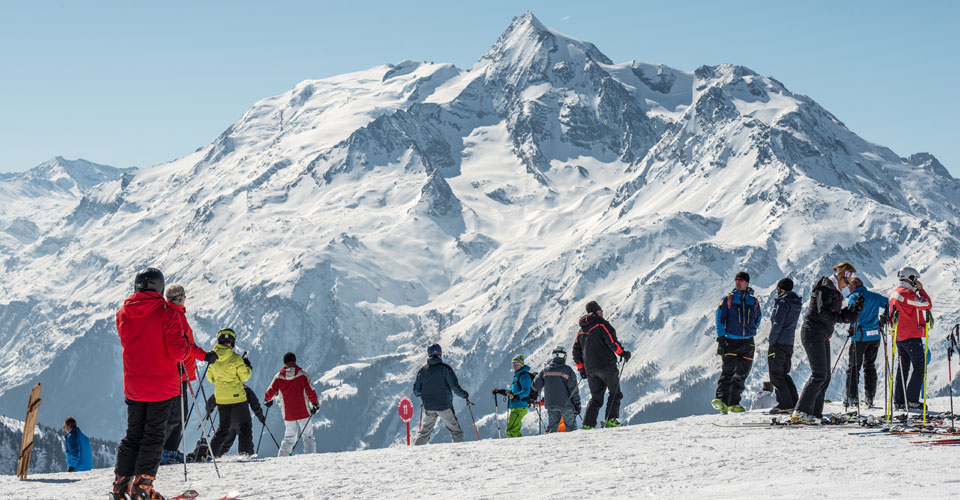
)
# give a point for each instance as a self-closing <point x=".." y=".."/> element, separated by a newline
<point x="738" y="317"/>
<point x="825" y="310"/>
<point x="227" y="377"/>
<point x="518" y="393"/>
<point x="298" y="402"/>
<point x="783" y="328"/>
<point x="865" y="344"/>
<point x="911" y="302"/>
<point x="188" y="373"/>
<point x="234" y="427"/>
<point x="77" y="447"/>
<point x="154" y="343"/>
<point x="595" y="353"/>
<point x="436" y="382"/>
<point x="560" y="394"/>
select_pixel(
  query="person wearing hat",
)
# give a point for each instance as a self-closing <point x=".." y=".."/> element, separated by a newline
<point x="913" y="305"/>
<point x="518" y="393"/>
<point x="737" y="319"/>
<point x="560" y="395"/>
<point x="298" y="401"/>
<point x="825" y="309"/>
<point x="435" y="385"/>
<point x="153" y="342"/>
<point x="783" y="329"/>
<point x="864" y="344"/>
<point x="227" y="376"/>
<point x="176" y="296"/>
<point x="595" y="354"/>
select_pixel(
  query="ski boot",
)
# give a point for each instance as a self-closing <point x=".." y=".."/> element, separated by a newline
<point x="737" y="409"/>
<point x="800" y="417"/>
<point x="612" y="422"/>
<point x="588" y="427"/>
<point x="719" y="406"/>
<point x="849" y="402"/>
<point x="119" y="488"/>
<point x="141" y="488"/>
<point x="868" y="402"/>
<point x="780" y="411"/>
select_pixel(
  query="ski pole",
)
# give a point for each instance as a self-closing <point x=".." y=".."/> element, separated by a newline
<point x="295" y="443"/>
<point x="496" y="406"/>
<point x="203" y="434"/>
<point x="263" y="426"/>
<point x="469" y="404"/>
<point x="926" y="354"/>
<point x="838" y="358"/>
<point x="183" y="429"/>
<point x="952" y="345"/>
<point x="894" y="315"/>
<point x="200" y="384"/>
<point x="420" y="425"/>
<point x="886" y="367"/>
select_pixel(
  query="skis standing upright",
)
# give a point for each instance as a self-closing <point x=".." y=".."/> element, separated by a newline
<point x="29" y="425"/>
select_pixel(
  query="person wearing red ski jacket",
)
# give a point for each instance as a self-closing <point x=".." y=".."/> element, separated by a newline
<point x="154" y="344"/>
<point x="298" y="401"/>
<point x="910" y="302"/>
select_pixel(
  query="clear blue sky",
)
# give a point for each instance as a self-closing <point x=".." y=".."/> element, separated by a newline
<point x="139" y="83"/>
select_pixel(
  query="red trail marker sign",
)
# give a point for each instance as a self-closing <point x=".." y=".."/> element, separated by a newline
<point x="406" y="414"/>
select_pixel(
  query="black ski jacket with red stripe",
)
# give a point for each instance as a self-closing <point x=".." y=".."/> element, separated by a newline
<point x="597" y="346"/>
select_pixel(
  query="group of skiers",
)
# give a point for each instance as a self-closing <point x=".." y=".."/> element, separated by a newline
<point x="838" y="298"/>
<point x="596" y="353"/>
<point x="159" y="363"/>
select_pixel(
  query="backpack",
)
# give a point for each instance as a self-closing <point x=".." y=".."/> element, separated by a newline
<point x="534" y="397"/>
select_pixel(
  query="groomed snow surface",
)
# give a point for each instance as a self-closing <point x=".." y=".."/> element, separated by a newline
<point x="685" y="458"/>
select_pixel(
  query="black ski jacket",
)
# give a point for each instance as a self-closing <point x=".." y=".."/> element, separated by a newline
<point x="783" y="321"/>
<point x="824" y="311"/>
<point x="436" y="382"/>
<point x="559" y="384"/>
<point x="596" y="346"/>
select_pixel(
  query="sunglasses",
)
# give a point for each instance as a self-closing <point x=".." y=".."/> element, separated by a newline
<point x="739" y="280"/>
<point x="517" y="363"/>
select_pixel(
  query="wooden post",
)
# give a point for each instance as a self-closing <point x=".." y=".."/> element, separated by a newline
<point x="29" y="425"/>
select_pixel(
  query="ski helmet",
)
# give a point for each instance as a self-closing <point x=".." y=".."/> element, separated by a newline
<point x="434" y="350"/>
<point x="176" y="294"/>
<point x="227" y="336"/>
<point x="149" y="279"/>
<point x="908" y="274"/>
<point x="559" y="352"/>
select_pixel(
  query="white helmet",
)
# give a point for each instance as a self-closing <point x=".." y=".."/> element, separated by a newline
<point x="559" y="352"/>
<point x="908" y="274"/>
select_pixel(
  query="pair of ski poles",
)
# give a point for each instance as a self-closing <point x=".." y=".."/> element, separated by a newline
<point x="264" y="426"/>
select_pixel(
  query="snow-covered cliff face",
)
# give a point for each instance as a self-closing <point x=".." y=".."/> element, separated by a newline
<point x="357" y="219"/>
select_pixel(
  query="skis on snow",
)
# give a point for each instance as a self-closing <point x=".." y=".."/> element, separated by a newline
<point x="191" y="494"/>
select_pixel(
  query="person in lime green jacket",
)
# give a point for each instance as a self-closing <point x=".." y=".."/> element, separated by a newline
<point x="228" y="375"/>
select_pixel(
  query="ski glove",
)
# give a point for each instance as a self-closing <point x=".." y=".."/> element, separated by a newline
<point x="576" y="409"/>
<point x="858" y="305"/>
<point x="314" y="408"/>
<point x="583" y="373"/>
<point x="70" y="469"/>
<point x="211" y="357"/>
<point x="268" y="404"/>
<point x="851" y="331"/>
<point x="246" y="360"/>
<point x="499" y="391"/>
<point x="625" y="356"/>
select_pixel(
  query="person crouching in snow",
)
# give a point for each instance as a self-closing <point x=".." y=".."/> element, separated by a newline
<point x="298" y="401"/>
<point x="518" y="393"/>
<point x="560" y="393"/>
<point x="227" y="376"/>
<point x="436" y="382"/>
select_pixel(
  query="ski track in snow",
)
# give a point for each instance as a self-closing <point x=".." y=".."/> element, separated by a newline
<point x="685" y="458"/>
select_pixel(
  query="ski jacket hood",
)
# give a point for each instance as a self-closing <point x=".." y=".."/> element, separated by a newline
<point x="435" y="384"/>
<point x="738" y="315"/>
<point x="292" y="386"/>
<point x="596" y="346"/>
<point x="783" y="321"/>
<point x="228" y="374"/>
<point x="867" y="326"/>
<point x="153" y="342"/>
<point x="522" y="382"/>
<point x="824" y="311"/>
<point x="911" y="305"/>
<point x="559" y="384"/>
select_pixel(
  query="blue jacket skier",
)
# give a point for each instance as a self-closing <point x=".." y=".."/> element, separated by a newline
<point x="518" y="393"/>
<point x="738" y="317"/>
<point x="77" y="447"/>
<point x="865" y="337"/>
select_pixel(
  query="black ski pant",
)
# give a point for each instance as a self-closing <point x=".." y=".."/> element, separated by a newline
<point x="811" y="398"/>
<point x="912" y="358"/>
<point x="863" y="355"/>
<point x="603" y="380"/>
<point x="239" y="413"/>
<point x="737" y="360"/>
<point x="174" y="425"/>
<point x="139" y="451"/>
<point x="778" y="362"/>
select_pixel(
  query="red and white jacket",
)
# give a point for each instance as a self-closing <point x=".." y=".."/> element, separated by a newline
<point x="190" y="362"/>
<point x="910" y="304"/>
<point x="292" y="386"/>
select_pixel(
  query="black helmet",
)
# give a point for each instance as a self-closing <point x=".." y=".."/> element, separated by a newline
<point x="149" y="279"/>
<point x="226" y="335"/>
